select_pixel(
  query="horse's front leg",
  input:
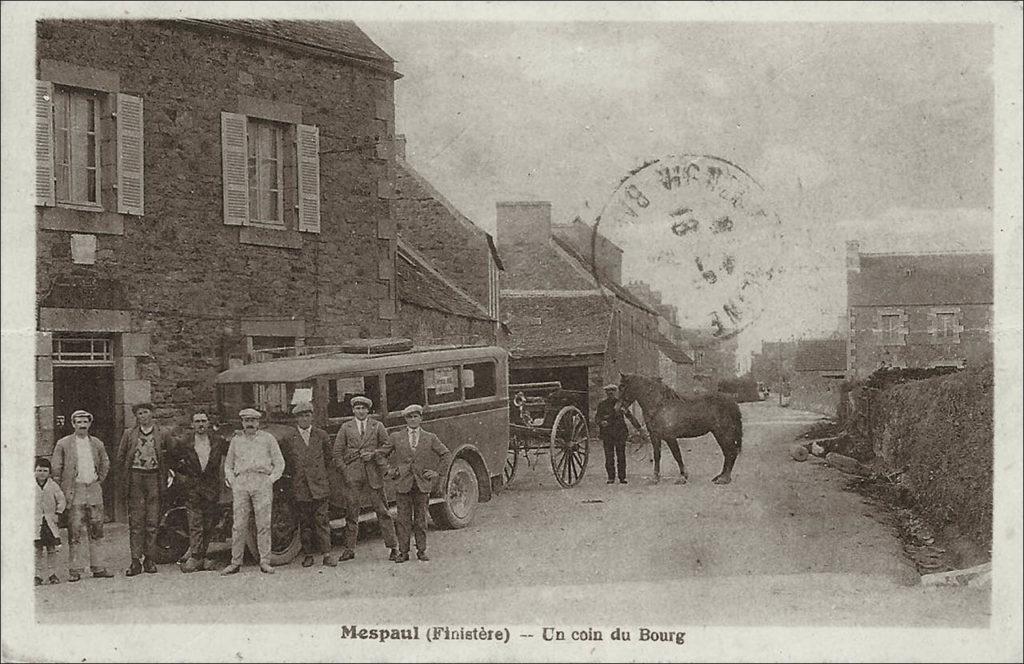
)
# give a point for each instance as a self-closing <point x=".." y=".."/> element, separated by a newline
<point x="673" y="446"/>
<point x="656" y="444"/>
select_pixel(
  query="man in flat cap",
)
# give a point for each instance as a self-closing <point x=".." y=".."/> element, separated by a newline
<point x="419" y="457"/>
<point x="142" y="474"/>
<point x="251" y="466"/>
<point x="80" y="464"/>
<point x="307" y="450"/>
<point x="611" y="423"/>
<point x="361" y="450"/>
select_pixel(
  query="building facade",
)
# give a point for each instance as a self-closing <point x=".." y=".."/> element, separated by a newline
<point x="569" y="319"/>
<point x="918" y="310"/>
<point x="205" y="190"/>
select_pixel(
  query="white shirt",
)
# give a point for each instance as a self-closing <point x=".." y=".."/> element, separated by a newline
<point x="86" y="465"/>
<point x="305" y="434"/>
<point x="414" y="438"/>
<point x="203" y="449"/>
<point x="362" y="427"/>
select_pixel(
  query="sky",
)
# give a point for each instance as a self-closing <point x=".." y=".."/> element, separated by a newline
<point x="877" y="132"/>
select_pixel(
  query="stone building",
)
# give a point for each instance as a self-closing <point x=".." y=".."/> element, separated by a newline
<point x="819" y="369"/>
<point x="918" y="310"/>
<point x="207" y="189"/>
<point x="460" y="258"/>
<point x="570" y="319"/>
<point x="675" y="363"/>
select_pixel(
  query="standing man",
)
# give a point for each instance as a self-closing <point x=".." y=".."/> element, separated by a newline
<point x="251" y="466"/>
<point x="611" y="422"/>
<point x="361" y="449"/>
<point x="202" y="458"/>
<point x="142" y="465"/>
<point x="309" y="451"/>
<point x="418" y="458"/>
<point x="80" y="464"/>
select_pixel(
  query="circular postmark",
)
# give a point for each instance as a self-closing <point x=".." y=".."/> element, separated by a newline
<point x="700" y="230"/>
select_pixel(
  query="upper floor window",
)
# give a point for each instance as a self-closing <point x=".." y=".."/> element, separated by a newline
<point x="892" y="329"/>
<point x="271" y="172"/>
<point x="89" y="143"/>
<point x="266" y="191"/>
<point x="76" y="146"/>
<point x="946" y="325"/>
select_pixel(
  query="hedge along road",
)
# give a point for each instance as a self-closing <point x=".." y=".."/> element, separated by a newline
<point x="783" y="544"/>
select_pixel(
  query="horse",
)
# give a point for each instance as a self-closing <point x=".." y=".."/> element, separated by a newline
<point x="669" y="415"/>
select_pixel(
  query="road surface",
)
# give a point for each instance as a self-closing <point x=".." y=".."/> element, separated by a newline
<point x="784" y="544"/>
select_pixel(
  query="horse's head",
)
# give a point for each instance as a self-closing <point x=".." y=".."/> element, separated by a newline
<point x="628" y="388"/>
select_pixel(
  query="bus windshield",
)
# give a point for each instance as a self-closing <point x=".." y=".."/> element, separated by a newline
<point x="272" y="399"/>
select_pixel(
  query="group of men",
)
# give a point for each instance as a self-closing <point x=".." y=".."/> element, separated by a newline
<point x="249" y="463"/>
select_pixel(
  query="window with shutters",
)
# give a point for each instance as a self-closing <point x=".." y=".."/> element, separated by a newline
<point x="89" y="146"/>
<point x="271" y="173"/>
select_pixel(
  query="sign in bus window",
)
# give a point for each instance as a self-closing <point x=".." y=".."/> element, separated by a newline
<point x="478" y="380"/>
<point x="442" y="385"/>
<point x="404" y="388"/>
<point x="341" y="390"/>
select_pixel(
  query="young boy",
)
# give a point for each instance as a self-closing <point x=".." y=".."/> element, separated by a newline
<point x="49" y="503"/>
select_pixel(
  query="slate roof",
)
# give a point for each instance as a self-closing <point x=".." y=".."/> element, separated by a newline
<point x="620" y="291"/>
<point x="537" y="266"/>
<point x="821" y="355"/>
<point x="546" y="326"/>
<point x="421" y="287"/>
<point x="342" y="37"/>
<point x="921" y="279"/>
<point x="672" y="350"/>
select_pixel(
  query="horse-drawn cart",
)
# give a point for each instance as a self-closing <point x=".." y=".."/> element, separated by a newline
<point x="546" y="418"/>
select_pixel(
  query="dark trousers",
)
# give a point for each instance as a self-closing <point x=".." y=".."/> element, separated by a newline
<point x="143" y="512"/>
<point x="615" y="449"/>
<point x="203" y="515"/>
<point x="412" y="519"/>
<point x="314" y="526"/>
<point x="358" y="495"/>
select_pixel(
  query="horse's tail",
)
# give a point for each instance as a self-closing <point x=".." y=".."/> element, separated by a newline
<point x="739" y="429"/>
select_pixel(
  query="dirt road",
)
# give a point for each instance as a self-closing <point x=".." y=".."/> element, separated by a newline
<point x="784" y="544"/>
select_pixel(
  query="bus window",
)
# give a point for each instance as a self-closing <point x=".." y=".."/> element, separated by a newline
<point x="478" y="380"/>
<point x="276" y="399"/>
<point x="443" y="385"/>
<point x="341" y="390"/>
<point x="404" y="388"/>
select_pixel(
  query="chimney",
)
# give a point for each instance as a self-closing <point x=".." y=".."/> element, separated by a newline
<point x="400" y="145"/>
<point x="523" y="223"/>
<point x="852" y="256"/>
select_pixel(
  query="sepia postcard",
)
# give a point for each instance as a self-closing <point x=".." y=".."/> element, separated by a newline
<point x="512" y="331"/>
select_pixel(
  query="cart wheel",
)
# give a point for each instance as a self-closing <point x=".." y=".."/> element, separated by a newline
<point x="511" y="461"/>
<point x="172" y="536"/>
<point x="570" y="446"/>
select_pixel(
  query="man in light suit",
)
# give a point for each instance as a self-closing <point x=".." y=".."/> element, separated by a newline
<point x="418" y="458"/>
<point x="307" y="450"/>
<point x="361" y="449"/>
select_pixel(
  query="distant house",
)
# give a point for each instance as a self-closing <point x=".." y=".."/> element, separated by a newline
<point x="819" y="369"/>
<point x="675" y="362"/>
<point x="569" y="317"/>
<point x="918" y="310"/>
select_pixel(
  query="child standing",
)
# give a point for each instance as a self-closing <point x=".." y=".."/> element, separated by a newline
<point x="49" y="503"/>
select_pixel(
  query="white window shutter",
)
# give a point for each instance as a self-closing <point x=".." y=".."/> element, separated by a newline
<point x="308" y="158"/>
<point x="235" y="168"/>
<point x="45" y="187"/>
<point x="130" y="158"/>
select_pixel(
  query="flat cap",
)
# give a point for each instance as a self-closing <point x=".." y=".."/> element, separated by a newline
<point x="82" y="413"/>
<point x="361" y="401"/>
<point x="611" y="386"/>
<point x="412" y="409"/>
<point x="302" y="407"/>
<point x="250" y="412"/>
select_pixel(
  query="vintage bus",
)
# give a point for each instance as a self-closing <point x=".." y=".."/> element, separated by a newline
<point x="463" y="389"/>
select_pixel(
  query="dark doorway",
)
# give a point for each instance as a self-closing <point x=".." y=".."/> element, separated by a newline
<point x="571" y="378"/>
<point x="89" y="388"/>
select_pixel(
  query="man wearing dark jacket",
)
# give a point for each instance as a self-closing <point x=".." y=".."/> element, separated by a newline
<point x="307" y="450"/>
<point x="201" y="462"/>
<point x="611" y="422"/>
<point x="142" y="468"/>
